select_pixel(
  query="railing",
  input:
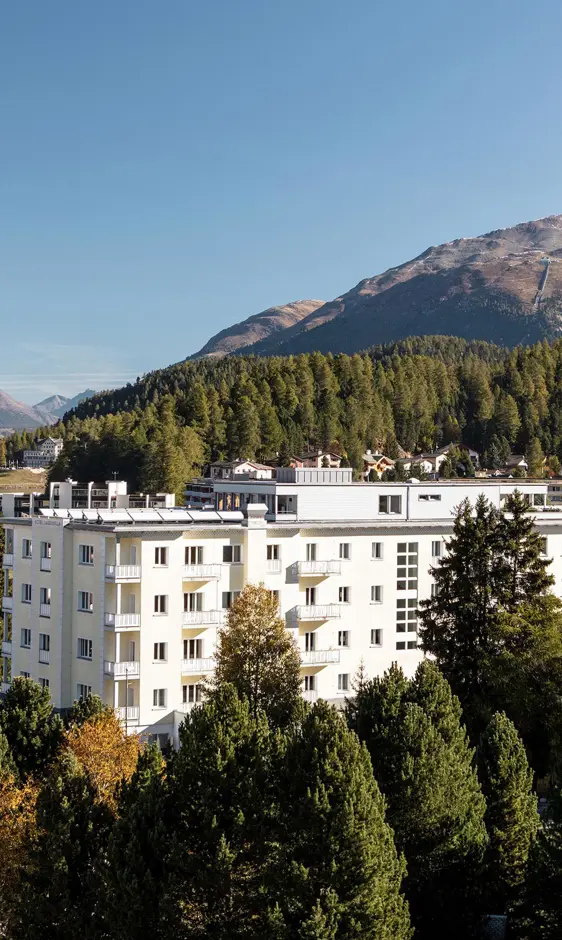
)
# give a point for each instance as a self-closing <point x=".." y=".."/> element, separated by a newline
<point x="128" y="713"/>
<point x="201" y="572"/>
<point x="198" y="666"/>
<point x="273" y="565"/>
<point x="7" y="603"/>
<point x="45" y="564"/>
<point x="44" y="610"/>
<point x="310" y="695"/>
<point x="191" y="617"/>
<point x="316" y="612"/>
<point x="8" y="560"/>
<point x="185" y="707"/>
<point x="122" y="620"/>
<point x="306" y="568"/>
<point x="123" y="670"/>
<point x="6" y="647"/>
<point x="319" y="657"/>
<point x="44" y="656"/>
<point x="122" y="572"/>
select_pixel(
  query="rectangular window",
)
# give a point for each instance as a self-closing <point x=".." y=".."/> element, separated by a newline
<point x="192" y="600"/>
<point x="46" y="549"/>
<point x="343" y="638"/>
<point x="544" y="546"/>
<point x="343" y="682"/>
<point x="376" y="637"/>
<point x="429" y="497"/>
<point x="192" y="693"/>
<point x="44" y="642"/>
<point x="311" y="551"/>
<point x="376" y="594"/>
<point x="84" y="648"/>
<point x="310" y="641"/>
<point x="273" y="553"/>
<point x="309" y="683"/>
<point x="435" y="589"/>
<point x="436" y="549"/>
<point x="275" y="596"/>
<point x="25" y="640"/>
<point x="160" y="603"/>
<point x="376" y="550"/>
<point x="232" y="554"/>
<point x="193" y="649"/>
<point x="85" y="554"/>
<point x="160" y="652"/>
<point x="538" y="499"/>
<point x="401" y="645"/>
<point x="160" y="556"/>
<point x="412" y="644"/>
<point x="44" y="595"/>
<point x="390" y="504"/>
<point x="194" y="555"/>
<point x="26" y="593"/>
<point x="44" y="683"/>
<point x="345" y="550"/>
<point x="25" y="675"/>
<point x="160" y="698"/>
<point x="345" y="595"/>
<point x="310" y="596"/>
<point x="85" y="601"/>
<point x="228" y="597"/>
<point x="26" y="548"/>
<point x="82" y="691"/>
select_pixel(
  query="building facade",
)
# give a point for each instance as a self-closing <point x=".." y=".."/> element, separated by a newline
<point x="46" y="453"/>
<point x="126" y="603"/>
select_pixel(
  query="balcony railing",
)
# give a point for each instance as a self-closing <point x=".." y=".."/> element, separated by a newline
<point x="44" y="610"/>
<point x="185" y="707"/>
<point x="7" y="603"/>
<point x="44" y="656"/>
<point x="45" y="564"/>
<point x="123" y="670"/>
<point x="6" y="647"/>
<point x="316" y="568"/>
<point x="8" y="560"/>
<point x="315" y="612"/>
<point x="310" y="695"/>
<point x="194" y="617"/>
<point x="128" y="713"/>
<point x="201" y="572"/>
<point x="122" y="572"/>
<point x="122" y="620"/>
<point x="319" y="657"/>
<point x="273" y="566"/>
<point x="198" y="666"/>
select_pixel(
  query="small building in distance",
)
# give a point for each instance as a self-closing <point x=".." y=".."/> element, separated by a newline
<point x="45" y="454"/>
<point x="317" y="460"/>
<point x="247" y="469"/>
<point x="376" y="462"/>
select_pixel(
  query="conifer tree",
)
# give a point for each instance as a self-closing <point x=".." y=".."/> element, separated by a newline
<point x="511" y="812"/>
<point x="524" y="572"/>
<point x="539" y="915"/>
<point x="33" y="732"/>
<point x="84" y="709"/>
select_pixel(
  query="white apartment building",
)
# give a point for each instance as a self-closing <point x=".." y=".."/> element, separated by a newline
<point x="126" y="603"/>
<point x="46" y="453"/>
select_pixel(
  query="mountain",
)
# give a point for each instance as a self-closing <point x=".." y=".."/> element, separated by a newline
<point x="504" y="287"/>
<point x="14" y="414"/>
<point x="262" y="326"/>
<point x="50" y="407"/>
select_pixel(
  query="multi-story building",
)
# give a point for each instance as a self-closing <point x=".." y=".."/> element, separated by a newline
<point x="45" y="454"/>
<point x="126" y="603"/>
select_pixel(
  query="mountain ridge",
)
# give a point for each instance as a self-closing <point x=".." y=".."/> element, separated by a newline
<point x="18" y="416"/>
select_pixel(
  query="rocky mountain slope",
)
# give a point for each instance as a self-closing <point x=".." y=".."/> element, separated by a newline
<point x="15" y="414"/>
<point x="262" y="326"/>
<point x="504" y="287"/>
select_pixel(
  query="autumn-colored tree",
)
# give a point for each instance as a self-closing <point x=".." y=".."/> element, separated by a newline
<point x="105" y="752"/>
<point x="17" y="825"/>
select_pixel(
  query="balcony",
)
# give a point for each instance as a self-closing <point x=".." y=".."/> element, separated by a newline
<point x="310" y="695"/>
<point x="122" y="621"/>
<point x="319" y="657"/>
<point x="318" y="569"/>
<point x="201" y="572"/>
<point x="197" y="666"/>
<point x="122" y="572"/>
<point x="186" y="707"/>
<point x="315" y="612"/>
<point x="191" y="618"/>
<point x="128" y="713"/>
<point x="8" y="560"/>
<point x="44" y="657"/>
<point x="123" y="670"/>
<point x="6" y="647"/>
<point x="44" y="610"/>
<point x="273" y="566"/>
<point x="7" y="603"/>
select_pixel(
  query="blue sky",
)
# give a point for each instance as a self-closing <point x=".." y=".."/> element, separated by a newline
<point x="170" y="168"/>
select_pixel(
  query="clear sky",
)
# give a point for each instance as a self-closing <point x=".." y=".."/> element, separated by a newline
<point x="167" y="169"/>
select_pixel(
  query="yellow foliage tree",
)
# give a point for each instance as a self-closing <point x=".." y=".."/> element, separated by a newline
<point x="105" y="752"/>
<point x="17" y="825"/>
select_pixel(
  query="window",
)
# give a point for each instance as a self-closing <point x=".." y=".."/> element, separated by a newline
<point x="401" y="645"/>
<point x="436" y="549"/>
<point x="345" y="595"/>
<point x="390" y="504"/>
<point x="376" y="594"/>
<point x="85" y="554"/>
<point x="544" y="546"/>
<point x="44" y="642"/>
<point x="25" y="675"/>
<point x="192" y="649"/>
<point x="192" y="600"/>
<point x="160" y="652"/>
<point x="44" y="683"/>
<point x="232" y="554"/>
<point x="46" y="549"/>
<point x="310" y="596"/>
<point x="25" y="640"/>
<point x="160" y="603"/>
<point x="343" y="682"/>
<point x="160" y="556"/>
<point x="345" y="550"/>
<point x="309" y="683"/>
<point x="159" y="698"/>
<point x="44" y="595"/>
<point x="412" y="644"/>
<point x="376" y="550"/>
<point x="192" y="693"/>
<point x="429" y="497"/>
<point x="26" y="593"/>
<point x="538" y="499"/>
<point x="26" y="548"/>
<point x="85" y="601"/>
<point x="311" y="551"/>
<point x="407" y="570"/>
<point x="84" y="648"/>
<point x="310" y="641"/>
<point x="82" y="691"/>
<point x="406" y="615"/>
<point x="376" y="637"/>
<point x="343" y="638"/>
<point x="275" y="596"/>
<point x="435" y="588"/>
<point x="228" y="597"/>
<point x="194" y="555"/>
<point x="273" y="553"/>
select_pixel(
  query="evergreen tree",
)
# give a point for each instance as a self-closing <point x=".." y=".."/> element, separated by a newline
<point x="524" y="566"/>
<point x="84" y="709"/>
<point x="33" y="732"/>
<point x="511" y="811"/>
<point x="539" y="915"/>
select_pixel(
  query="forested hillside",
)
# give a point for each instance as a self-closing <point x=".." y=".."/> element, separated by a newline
<point x="419" y="393"/>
